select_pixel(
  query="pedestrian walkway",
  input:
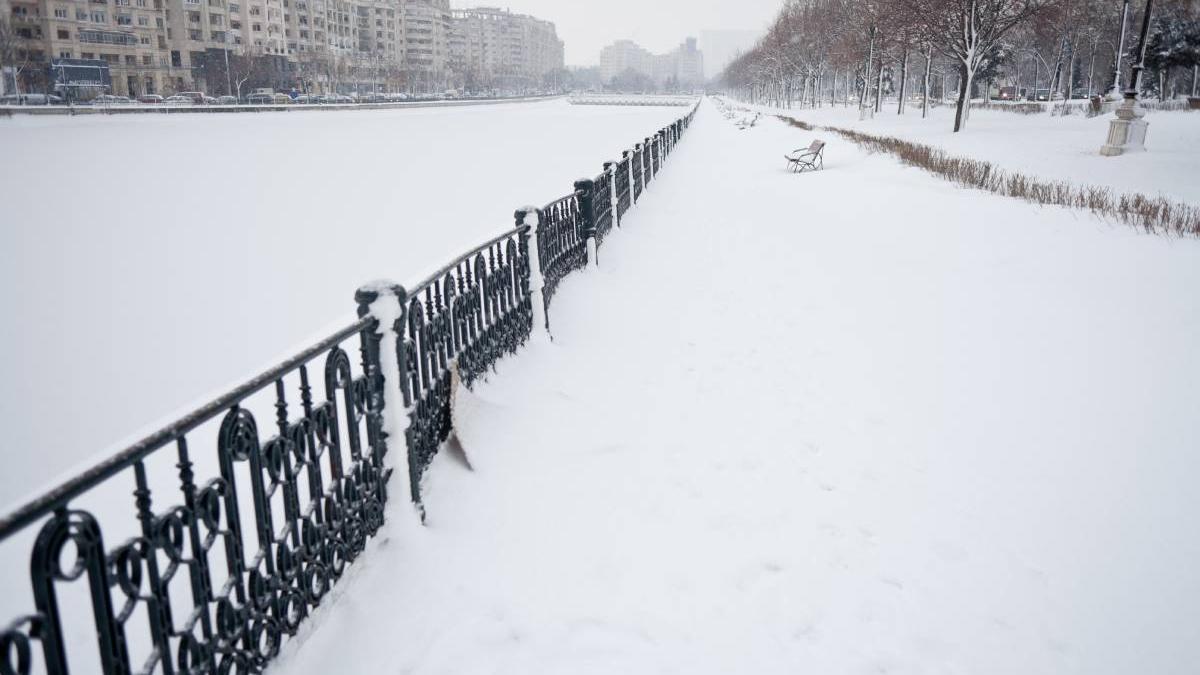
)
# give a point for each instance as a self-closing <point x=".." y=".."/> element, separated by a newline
<point x="851" y="421"/>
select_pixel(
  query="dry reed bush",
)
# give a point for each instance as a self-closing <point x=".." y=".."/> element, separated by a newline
<point x="1153" y="215"/>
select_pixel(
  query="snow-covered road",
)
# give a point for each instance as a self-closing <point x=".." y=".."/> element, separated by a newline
<point x="856" y="421"/>
<point x="148" y="263"/>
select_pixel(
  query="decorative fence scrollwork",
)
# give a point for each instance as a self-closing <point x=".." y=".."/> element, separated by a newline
<point x="468" y="315"/>
<point x="191" y="590"/>
<point x="246" y="511"/>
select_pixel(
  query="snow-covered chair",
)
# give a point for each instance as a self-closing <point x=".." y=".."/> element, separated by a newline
<point x="806" y="159"/>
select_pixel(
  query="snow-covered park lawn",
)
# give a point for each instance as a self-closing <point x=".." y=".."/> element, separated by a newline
<point x="147" y="262"/>
<point x="854" y="421"/>
<point x="1062" y="148"/>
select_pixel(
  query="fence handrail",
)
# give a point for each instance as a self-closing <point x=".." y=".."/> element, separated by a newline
<point x="73" y="487"/>
<point x="429" y="280"/>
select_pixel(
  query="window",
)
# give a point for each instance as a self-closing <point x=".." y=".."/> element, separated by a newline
<point x="124" y="20"/>
<point x="60" y="12"/>
<point x="176" y="61"/>
<point x="87" y="55"/>
<point x="146" y="40"/>
<point x="158" y="22"/>
<point x="64" y="34"/>
<point x="130" y="60"/>
<point x="147" y="60"/>
<point x="64" y="54"/>
<point x="195" y="35"/>
<point x="81" y="15"/>
<point x="216" y="20"/>
<point x="98" y="17"/>
<point x="141" y="3"/>
<point x="257" y="28"/>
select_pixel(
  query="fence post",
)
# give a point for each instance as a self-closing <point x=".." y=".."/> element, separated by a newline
<point x="536" y="281"/>
<point x="627" y="155"/>
<point x="387" y="304"/>
<point x="641" y="153"/>
<point x="611" y="169"/>
<point x="586" y="189"/>
<point x="649" y="149"/>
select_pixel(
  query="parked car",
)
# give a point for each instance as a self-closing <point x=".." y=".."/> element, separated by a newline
<point x="150" y="99"/>
<point x="177" y="100"/>
<point x="197" y="97"/>
<point x="111" y="99"/>
<point x="281" y="99"/>
<point x="260" y="99"/>
<point x="309" y="99"/>
<point x="30" y="99"/>
<point x="227" y="100"/>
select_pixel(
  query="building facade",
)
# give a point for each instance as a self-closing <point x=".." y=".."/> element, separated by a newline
<point x="322" y="46"/>
<point x="682" y="68"/>
<point x="492" y="48"/>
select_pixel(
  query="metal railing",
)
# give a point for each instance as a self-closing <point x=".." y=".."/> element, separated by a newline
<point x="227" y="552"/>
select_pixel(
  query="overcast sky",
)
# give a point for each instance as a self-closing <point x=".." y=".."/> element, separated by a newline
<point x="657" y="25"/>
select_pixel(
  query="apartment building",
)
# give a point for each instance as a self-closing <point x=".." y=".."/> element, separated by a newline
<point x="130" y="35"/>
<point x="496" y="48"/>
<point x="166" y="46"/>
<point x="683" y="67"/>
<point x="426" y="55"/>
<point x="625" y="55"/>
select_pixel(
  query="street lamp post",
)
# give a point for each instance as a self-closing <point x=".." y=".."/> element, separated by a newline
<point x="1127" y="132"/>
<point x="228" y="76"/>
<point x="1116" y="85"/>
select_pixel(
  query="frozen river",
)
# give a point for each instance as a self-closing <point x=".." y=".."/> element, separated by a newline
<point x="147" y="262"/>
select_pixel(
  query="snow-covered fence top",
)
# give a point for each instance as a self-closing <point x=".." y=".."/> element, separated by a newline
<point x="233" y="522"/>
<point x="631" y="99"/>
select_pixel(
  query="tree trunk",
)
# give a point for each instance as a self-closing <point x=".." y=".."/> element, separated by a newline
<point x="903" y="80"/>
<point x="1092" y="67"/>
<point x="1162" y="84"/>
<point x="862" y="98"/>
<point x="928" y="72"/>
<point x="1195" y="73"/>
<point x="964" y="97"/>
<point x="879" y="87"/>
<point x="1069" y="80"/>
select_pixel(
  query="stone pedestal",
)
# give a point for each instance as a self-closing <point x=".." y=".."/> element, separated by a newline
<point x="1126" y="133"/>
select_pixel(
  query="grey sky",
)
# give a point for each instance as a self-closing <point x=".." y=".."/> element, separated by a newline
<point x="657" y="25"/>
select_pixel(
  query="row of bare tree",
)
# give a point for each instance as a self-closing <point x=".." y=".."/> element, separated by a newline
<point x="831" y="51"/>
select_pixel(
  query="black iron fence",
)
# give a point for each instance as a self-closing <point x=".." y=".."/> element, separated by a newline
<point x="227" y="552"/>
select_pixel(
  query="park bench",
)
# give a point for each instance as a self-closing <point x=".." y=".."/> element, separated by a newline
<point x="805" y="159"/>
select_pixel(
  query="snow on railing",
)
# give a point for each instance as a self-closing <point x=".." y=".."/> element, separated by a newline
<point x="234" y="533"/>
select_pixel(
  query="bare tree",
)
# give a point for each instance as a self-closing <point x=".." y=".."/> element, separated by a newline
<point x="14" y="54"/>
<point x="968" y="31"/>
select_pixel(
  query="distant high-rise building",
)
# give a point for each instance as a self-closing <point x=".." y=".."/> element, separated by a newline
<point x="722" y="46"/>
<point x="491" y="47"/>
<point x="683" y="67"/>
<point x="625" y="55"/>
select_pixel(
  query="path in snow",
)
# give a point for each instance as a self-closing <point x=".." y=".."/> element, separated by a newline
<point x="856" y="421"/>
<point x="1049" y="147"/>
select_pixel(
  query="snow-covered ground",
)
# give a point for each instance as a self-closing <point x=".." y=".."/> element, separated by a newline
<point x="149" y="261"/>
<point x="854" y="421"/>
<point x="1061" y="148"/>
